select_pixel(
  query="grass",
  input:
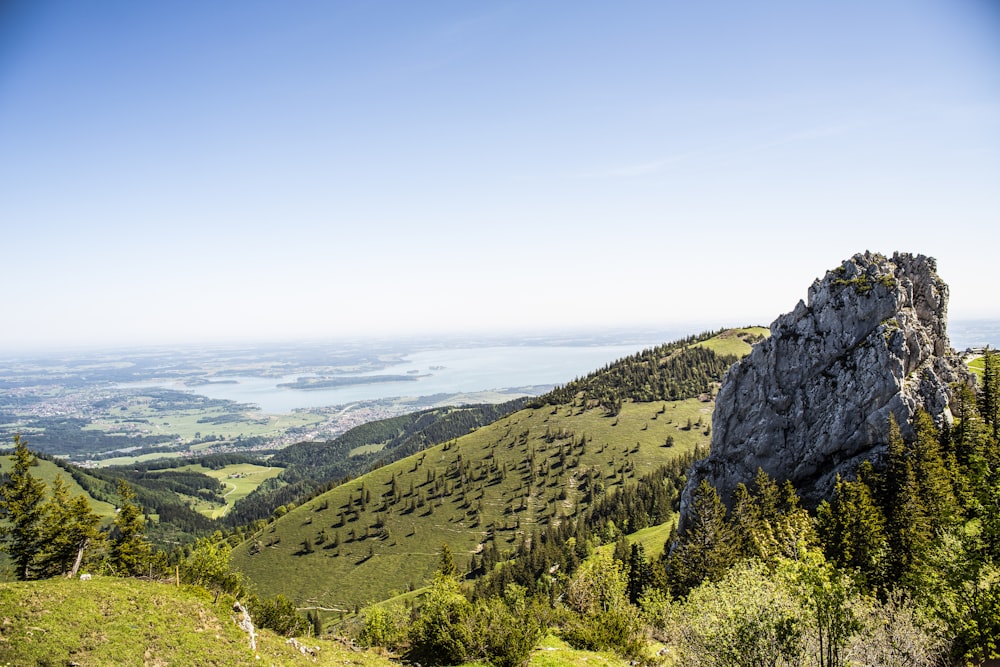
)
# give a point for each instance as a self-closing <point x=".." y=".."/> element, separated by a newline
<point x="240" y="480"/>
<point x="977" y="367"/>
<point x="394" y="549"/>
<point x="109" y="621"/>
<point x="733" y="341"/>
<point x="653" y="538"/>
<point x="554" y="652"/>
<point x="47" y="472"/>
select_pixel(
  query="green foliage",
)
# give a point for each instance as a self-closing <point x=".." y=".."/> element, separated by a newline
<point x="447" y="564"/>
<point x="705" y="549"/>
<point x="22" y="510"/>
<point x="852" y="527"/>
<point x="384" y="625"/>
<point x="442" y="633"/>
<point x="604" y="617"/>
<point x="69" y="528"/>
<point x="506" y="630"/>
<point x="278" y="614"/>
<point x="825" y="593"/>
<point x="747" y="618"/>
<point x="208" y="565"/>
<point x="130" y="552"/>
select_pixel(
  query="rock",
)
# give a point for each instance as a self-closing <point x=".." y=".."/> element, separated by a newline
<point x="245" y="623"/>
<point x="813" y="400"/>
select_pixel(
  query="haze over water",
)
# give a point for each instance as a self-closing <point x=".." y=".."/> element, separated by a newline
<point x="473" y="369"/>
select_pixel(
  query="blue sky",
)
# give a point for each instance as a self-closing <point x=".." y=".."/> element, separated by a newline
<point x="188" y="171"/>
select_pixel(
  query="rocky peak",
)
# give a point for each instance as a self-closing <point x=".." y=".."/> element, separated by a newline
<point x="814" y="399"/>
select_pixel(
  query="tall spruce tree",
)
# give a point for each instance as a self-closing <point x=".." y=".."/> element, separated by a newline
<point x="130" y="551"/>
<point x="705" y="548"/>
<point x="69" y="528"/>
<point x="22" y="510"/>
<point x="990" y="394"/>
<point x="853" y="531"/>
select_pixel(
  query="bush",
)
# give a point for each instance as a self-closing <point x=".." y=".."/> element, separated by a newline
<point x="278" y="614"/>
<point x="385" y="626"/>
<point x="506" y="631"/>
<point x="441" y="634"/>
<point x="605" y="619"/>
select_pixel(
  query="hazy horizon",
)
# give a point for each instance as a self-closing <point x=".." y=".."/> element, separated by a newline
<point x="173" y="173"/>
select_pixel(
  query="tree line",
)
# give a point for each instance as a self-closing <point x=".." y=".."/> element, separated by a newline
<point x="669" y="372"/>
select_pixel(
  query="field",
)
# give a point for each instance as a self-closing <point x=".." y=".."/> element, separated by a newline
<point x="734" y="341"/>
<point x="240" y="480"/>
<point x="199" y="424"/>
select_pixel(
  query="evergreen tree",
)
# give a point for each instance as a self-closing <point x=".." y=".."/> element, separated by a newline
<point x="130" y="551"/>
<point x="933" y="479"/>
<point x="853" y="530"/>
<point x="990" y="395"/>
<point x="908" y="528"/>
<point x="22" y="511"/>
<point x="704" y="549"/>
<point x="69" y="528"/>
<point x="640" y="573"/>
<point x="447" y="565"/>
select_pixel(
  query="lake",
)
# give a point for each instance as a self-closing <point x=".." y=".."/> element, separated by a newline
<point x="450" y="370"/>
<point x="434" y="372"/>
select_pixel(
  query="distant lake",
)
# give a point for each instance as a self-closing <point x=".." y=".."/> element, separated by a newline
<point x="472" y="369"/>
<point x="443" y="371"/>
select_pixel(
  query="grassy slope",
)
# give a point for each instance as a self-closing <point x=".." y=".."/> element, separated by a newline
<point x="129" y="622"/>
<point x="247" y="478"/>
<point x="369" y="569"/>
<point x="109" y="621"/>
<point x="47" y="472"/>
<point x="734" y="341"/>
<point x="374" y="565"/>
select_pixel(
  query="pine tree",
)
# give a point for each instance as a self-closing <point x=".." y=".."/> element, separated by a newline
<point x="853" y="529"/>
<point x="129" y="550"/>
<point x="705" y="546"/>
<point x="69" y="528"/>
<point x="990" y="395"/>
<point x="933" y="479"/>
<point x="447" y="565"/>
<point x="22" y="509"/>
<point x="908" y="528"/>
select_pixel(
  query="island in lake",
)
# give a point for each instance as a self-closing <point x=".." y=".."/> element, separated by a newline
<point x="310" y="383"/>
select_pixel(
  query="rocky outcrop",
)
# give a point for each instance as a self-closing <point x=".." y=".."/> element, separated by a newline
<point x="814" y="399"/>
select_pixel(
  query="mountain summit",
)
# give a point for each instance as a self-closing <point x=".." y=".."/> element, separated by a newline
<point x="814" y="399"/>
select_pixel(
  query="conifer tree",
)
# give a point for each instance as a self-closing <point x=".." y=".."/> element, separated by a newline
<point x="990" y="395"/>
<point x="129" y="550"/>
<point x="705" y="546"/>
<point x="22" y="510"/>
<point x="447" y="565"/>
<point x="853" y="530"/>
<point x="69" y="528"/>
<point x="908" y="527"/>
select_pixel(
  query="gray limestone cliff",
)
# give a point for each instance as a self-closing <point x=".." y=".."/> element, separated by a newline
<point x="814" y="399"/>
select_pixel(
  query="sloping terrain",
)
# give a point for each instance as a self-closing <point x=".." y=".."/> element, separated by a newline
<point x="109" y="621"/>
<point x="380" y="534"/>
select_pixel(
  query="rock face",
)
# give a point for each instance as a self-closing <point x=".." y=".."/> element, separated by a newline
<point x="814" y="399"/>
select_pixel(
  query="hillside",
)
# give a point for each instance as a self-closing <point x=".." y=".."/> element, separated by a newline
<point x="109" y="621"/>
<point x="310" y="467"/>
<point x="381" y="534"/>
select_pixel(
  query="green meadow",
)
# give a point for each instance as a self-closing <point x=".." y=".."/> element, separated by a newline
<point x="240" y="480"/>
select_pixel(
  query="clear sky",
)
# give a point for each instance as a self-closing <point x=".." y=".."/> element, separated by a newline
<point x="179" y="171"/>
